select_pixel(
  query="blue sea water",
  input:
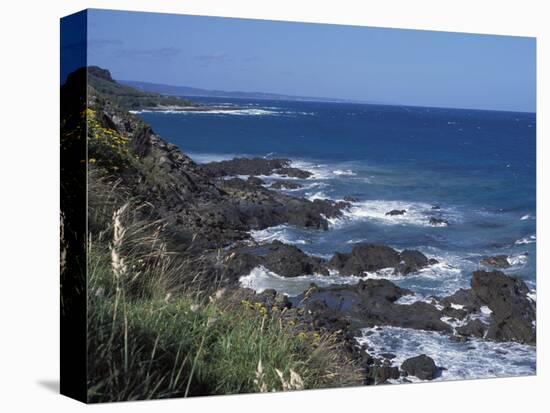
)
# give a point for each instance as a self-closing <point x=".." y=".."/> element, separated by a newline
<point x="478" y="167"/>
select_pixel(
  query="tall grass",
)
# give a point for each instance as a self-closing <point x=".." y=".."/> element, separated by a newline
<point x="160" y="326"/>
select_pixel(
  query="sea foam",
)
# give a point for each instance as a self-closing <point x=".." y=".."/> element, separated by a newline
<point x="474" y="358"/>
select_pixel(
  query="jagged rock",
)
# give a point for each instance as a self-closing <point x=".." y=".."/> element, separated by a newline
<point x="421" y="366"/>
<point x="513" y="314"/>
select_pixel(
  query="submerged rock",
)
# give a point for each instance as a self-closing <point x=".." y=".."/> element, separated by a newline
<point x="438" y="222"/>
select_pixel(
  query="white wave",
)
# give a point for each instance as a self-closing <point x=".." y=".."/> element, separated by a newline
<point x="356" y="240"/>
<point x="231" y="112"/>
<point x="532" y="295"/>
<point x="526" y="240"/>
<point x="417" y="213"/>
<point x="201" y="158"/>
<point x="344" y="172"/>
<point x="519" y="259"/>
<point x="413" y="298"/>
<point x="316" y="195"/>
<point x="261" y="279"/>
<point x="281" y="233"/>
<point x="472" y="359"/>
<point x="526" y="217"/>
<point x="318" y="171"/>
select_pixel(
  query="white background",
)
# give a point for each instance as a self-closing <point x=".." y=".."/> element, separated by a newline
<point x="29" y="159"/>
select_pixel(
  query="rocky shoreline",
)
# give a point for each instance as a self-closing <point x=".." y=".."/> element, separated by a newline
<point x="210" y="209"/>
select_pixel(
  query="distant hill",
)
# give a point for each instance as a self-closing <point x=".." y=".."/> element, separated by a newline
<point x="193" y="91"/>
<point x="129" y="97"/>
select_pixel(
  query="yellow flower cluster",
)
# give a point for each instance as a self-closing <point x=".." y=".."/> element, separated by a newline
<point x="259" y="307"/>
<point x="106" y="136"/>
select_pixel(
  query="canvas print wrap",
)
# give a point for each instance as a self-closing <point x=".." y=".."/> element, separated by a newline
<point x="258" y="206"/>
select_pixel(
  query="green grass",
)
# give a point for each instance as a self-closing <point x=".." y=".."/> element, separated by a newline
<point x="155" y="331"/>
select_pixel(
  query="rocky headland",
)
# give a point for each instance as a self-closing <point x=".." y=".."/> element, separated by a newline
<point x="209" y="209"/>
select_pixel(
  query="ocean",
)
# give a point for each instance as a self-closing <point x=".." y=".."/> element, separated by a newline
<point x="474" y="169"/>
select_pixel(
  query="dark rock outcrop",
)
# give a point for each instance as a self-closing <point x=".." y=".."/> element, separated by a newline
<point x="372" y="257"/>
<point x="253" y="166"/>
<point x="284" y="260"/>
<point x="372" y="302"/>
<point x="421" y="366"/>
<point x="394" y="212"/>
<point x="513" y="314"/>
<point x="285" y="185"/>
<point x="498" y="261"/>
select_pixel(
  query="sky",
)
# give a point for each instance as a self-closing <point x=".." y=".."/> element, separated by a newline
<point x="393" y="66"/>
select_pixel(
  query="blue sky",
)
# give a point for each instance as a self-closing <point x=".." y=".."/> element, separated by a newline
<point x="409" y="67"/>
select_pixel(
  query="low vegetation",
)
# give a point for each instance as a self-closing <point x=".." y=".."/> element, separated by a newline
<point x="156" y="331"/>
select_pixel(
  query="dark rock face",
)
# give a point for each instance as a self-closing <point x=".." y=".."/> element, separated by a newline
<point x="421" y="366"/>
<point x="513" y="314"/>
<point x="253" y="166"/>
<point x="285" y="185"/>
<point x="372" y="257"/>
<point x="396" y="212"/>
<point x="438" y="222"/>
<point x="498" y="261"/>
